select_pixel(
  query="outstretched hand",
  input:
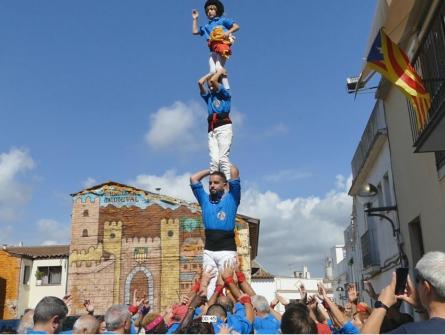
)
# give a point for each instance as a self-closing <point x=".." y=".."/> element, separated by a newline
<point x="227" y="270"/>
<point x="195" y="14"/>
<point x="352" y="293"/>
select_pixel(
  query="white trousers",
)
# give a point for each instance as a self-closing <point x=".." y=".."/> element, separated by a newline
<point x="216" y="61"/>
<point x="214" y="261"/>
<point x="220" y="140"/>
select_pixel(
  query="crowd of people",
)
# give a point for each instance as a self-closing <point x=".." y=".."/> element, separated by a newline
<point x="235" y="308"/>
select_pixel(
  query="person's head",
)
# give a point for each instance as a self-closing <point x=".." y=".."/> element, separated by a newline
<point x="217" y="183"/>
<point x="86" y="324"/>
<point x="218" y="311"/>
<point x="26" y="322"/>
<point x="154" y="323"/>
<point x="429" y="275"/>
<point x="198" y="327"/>
<point x="102" y="325"/>
<point x="118" y="319"/>
<point x="226" y="303"/>
<point x="361" y="315"/>
<point x="213" y="8"/>
<point x="260" y="305"/>
<point x="296" y="320"/>
<point x="49" y="315"/>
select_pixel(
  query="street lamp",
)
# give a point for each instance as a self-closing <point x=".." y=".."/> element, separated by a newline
<point x="368" y="193"/>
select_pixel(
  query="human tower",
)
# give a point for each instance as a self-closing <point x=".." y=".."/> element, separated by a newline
<point x="219" y="207"/>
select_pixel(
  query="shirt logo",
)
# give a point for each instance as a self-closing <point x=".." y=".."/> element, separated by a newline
<point x="221" y="215"/>
<point x="216" y="103"/>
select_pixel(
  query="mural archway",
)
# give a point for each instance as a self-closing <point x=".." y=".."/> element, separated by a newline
<point x="135" y="273"/>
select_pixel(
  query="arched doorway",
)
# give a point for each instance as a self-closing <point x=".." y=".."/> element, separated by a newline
<point x="139" y="278"/>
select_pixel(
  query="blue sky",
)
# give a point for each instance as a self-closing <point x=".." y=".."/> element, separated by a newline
<point x="100" y="90"/>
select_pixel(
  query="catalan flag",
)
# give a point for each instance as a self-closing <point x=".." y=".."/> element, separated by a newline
<point x="392" y="63"/>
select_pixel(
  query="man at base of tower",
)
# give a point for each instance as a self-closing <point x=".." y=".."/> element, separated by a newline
<point x="218" y="216"/>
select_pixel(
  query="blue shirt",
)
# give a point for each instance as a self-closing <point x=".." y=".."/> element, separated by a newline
<point x="266" y="325"/>
<point x="347" y="328"/>
<point x="223" y="22"/>
<point x="219" y="101"/>
<point x="219" y="215"/>
<point x="431" y="326"/>
<point x="174" y="326"/>
<point x="238" y="320"/>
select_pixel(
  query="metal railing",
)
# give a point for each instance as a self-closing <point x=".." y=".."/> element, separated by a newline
<point x="376" y="125"/>
<point x="429" y="63"/>
<point x="369" y="249"/>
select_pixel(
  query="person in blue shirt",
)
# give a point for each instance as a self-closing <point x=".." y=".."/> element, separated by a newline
<point x="220" y="133"/>
<point x="218" y="33"/>
<point x="218" y="216"/>
<point x="49" y="315"/>
<point x="265" y="322"/>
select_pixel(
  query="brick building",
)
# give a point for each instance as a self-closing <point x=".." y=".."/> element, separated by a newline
<point x="124" y="238"/>
<point x="19" y="286"/>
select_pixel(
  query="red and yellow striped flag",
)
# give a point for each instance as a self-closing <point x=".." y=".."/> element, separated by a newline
<point x="388" y="59"/>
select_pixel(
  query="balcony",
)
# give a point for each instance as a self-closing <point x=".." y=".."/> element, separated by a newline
<point x="370" y="252"/>
<point x="429" y="62"/>
<point x="370" y="144"/>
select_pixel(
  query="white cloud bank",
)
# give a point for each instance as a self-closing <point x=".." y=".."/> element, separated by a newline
<point x="182" y="127"/>
<point x="293" y="232"/>
<point x="14" y="192"/>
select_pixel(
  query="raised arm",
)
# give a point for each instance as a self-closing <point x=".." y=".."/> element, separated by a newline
<point x="198" y="176"/>
<point x="234" y="172"/>
<point x="195" y="29"/>
<point x="214" y="78"/>
<point x="201" y="84"/>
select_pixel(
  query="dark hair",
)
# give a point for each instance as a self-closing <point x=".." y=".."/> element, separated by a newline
<point x="226" y="303"/>
<point x="49" y="307"/>
<point x="198" y="327"/>
<point x="296" y="320"/>
<point x="218" y="310"/>
<point x="218" y="4"/>
<point x="220" y="174"/>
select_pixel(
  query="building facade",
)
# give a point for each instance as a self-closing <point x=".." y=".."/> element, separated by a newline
<point x="403" y="160"/>
<point x="124" y="238"/>
<point x="27" y="274"/>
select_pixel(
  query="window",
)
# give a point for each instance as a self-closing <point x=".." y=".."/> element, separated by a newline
<point x="194" y="266"/>
<point x="52" y="275"/>
<point x="86" y="213"/>
<point x="416" y="239"/>
<point x="387" y="190"/>
<point x="85" y="233"/>
<point x="26" y="273"/>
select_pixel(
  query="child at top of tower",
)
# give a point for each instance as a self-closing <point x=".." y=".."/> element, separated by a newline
<point x="218" y="33"/>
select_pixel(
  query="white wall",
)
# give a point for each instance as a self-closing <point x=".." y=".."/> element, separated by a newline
<point x="24" y="288"/>
<point x="264" y="287"/>
<point x="36" y="293"/>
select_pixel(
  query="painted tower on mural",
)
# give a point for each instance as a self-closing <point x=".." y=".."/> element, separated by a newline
<point x="124" y="238"/>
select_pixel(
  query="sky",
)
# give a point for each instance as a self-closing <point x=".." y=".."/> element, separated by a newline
<point x="92" y="91"/>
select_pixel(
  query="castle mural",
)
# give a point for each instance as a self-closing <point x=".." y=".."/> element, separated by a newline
<point x="124" y="238"/>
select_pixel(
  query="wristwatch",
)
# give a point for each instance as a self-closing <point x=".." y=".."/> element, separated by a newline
<point x="379" y="304"/>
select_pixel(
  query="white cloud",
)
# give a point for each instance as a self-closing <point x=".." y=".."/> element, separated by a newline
<point x="178" y="127"/>
<point x="53" y="232"/>
<point x="297" y="231"/>
<point x="14" y="192"/>
<point x="177" y="186"/>
<point x="287" y="175"/>
<point x="276" y="129"/>
<point x="89" y="182"/>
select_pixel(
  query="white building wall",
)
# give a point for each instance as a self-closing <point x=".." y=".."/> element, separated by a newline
<point x="419" y="188"/>
<point x="36" y="293"/>
<point x="264" y="287"/>
<point x="24" y="287"/>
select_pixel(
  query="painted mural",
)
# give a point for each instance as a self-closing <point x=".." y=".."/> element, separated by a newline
<point x="123" y="238"/>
